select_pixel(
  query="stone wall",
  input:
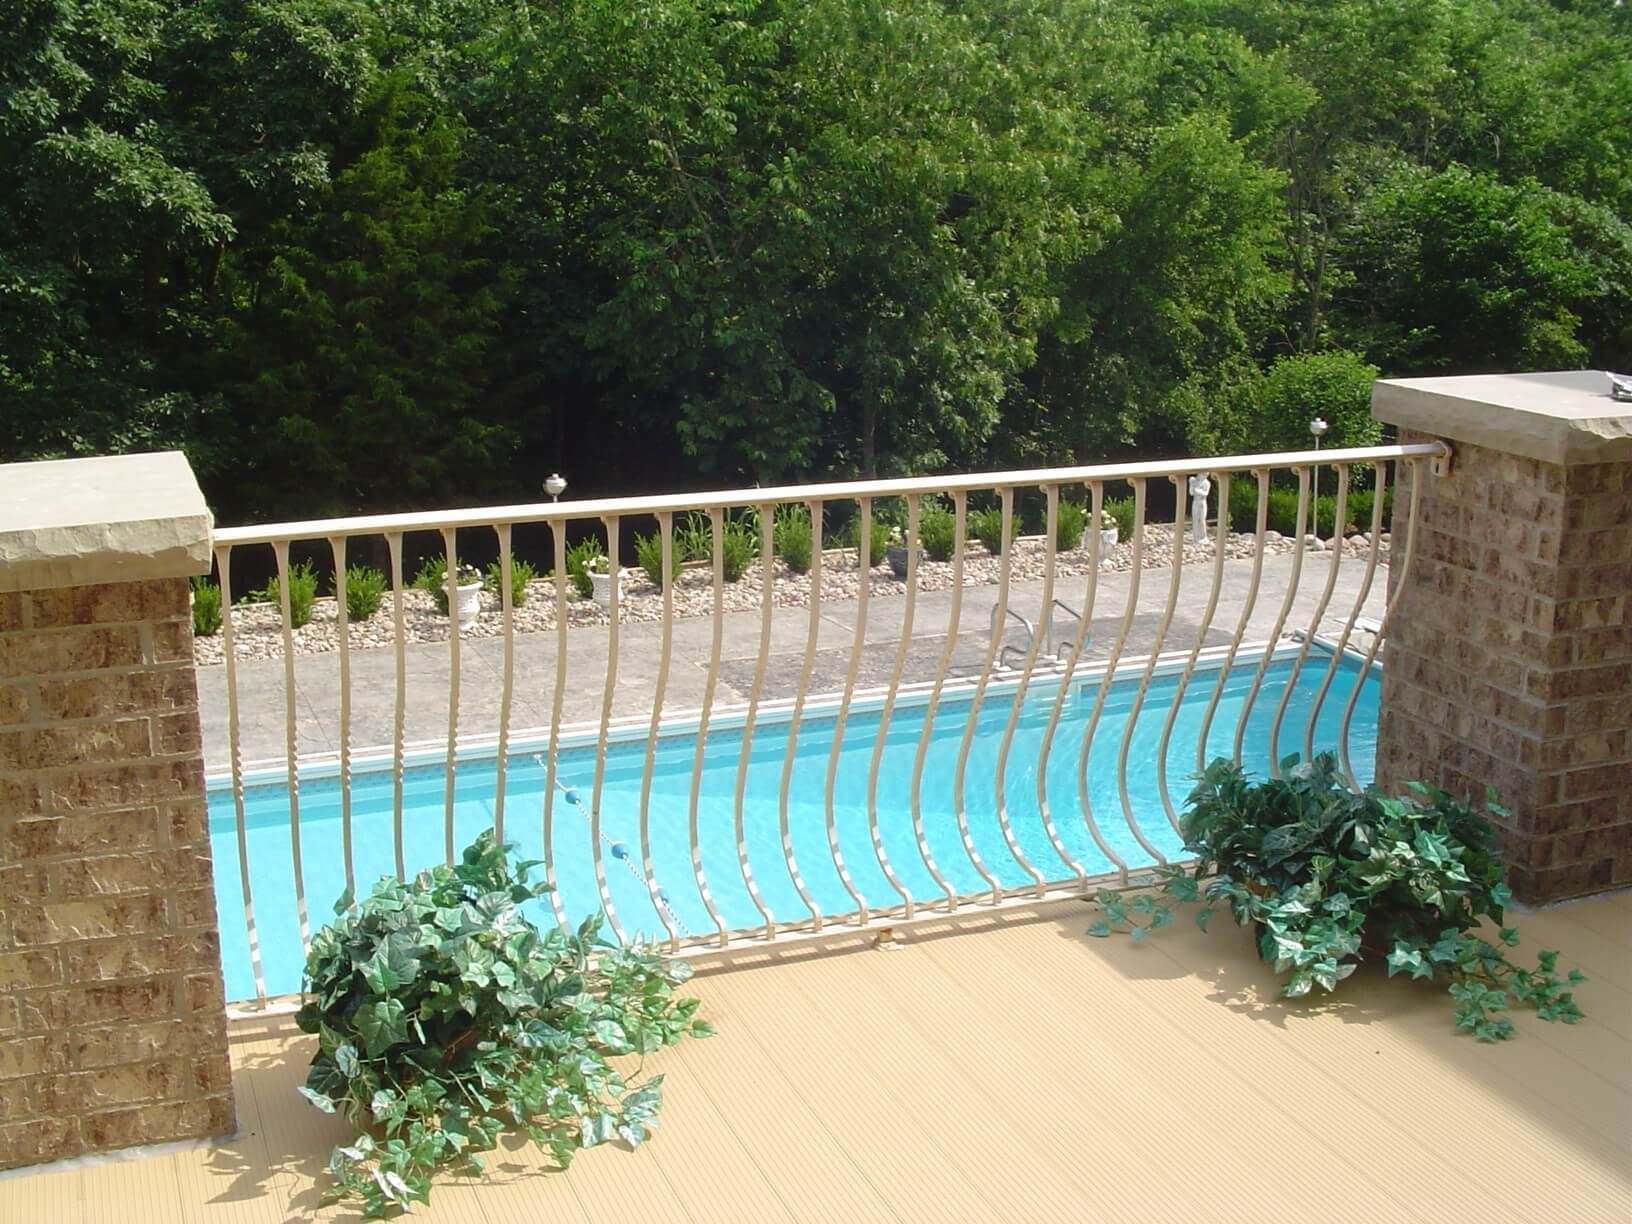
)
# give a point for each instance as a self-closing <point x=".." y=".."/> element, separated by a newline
<point x="112" y="1017"/>
<point x="1508" y="660"/>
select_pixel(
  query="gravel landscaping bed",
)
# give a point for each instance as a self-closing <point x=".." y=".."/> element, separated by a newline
<point x="258" y="634"/>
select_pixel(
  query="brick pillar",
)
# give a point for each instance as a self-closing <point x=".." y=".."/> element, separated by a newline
<point x="112" y="1016"/>
<point x="1509" y="658"/>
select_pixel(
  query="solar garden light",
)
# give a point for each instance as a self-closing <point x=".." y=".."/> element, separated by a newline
<point x="555" y="484"/>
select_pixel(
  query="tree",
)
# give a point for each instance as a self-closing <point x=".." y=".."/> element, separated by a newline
<point x="367" y="328"/>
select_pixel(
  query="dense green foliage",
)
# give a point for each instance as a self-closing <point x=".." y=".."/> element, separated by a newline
<point x="380" y="256"/>
<point x="1068" y="526"/>
<point x="521" y="573"/>
<point x="1327" y="876"/>
<point x="937" y="531"/>
<point x="302" y="593"/>
<point x="206" y="607"/>
<point x="365" y="589"/>
<point x="649" y="556"/>
<point x="445" y="1018"/>
<point x="791" y="537"/>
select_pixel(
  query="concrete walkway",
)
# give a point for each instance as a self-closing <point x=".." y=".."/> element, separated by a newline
<point x="373" y="672"/>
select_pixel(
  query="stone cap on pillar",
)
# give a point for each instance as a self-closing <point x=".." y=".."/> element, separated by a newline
<point x="119" y="518"/>
<point x="1564" y="417"/>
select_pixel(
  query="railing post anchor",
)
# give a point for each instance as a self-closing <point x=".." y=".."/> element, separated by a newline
<point x="888" y="941"/>
<point x="1440" y="464"/>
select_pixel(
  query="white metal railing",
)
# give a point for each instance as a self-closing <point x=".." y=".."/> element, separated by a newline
<point x="1055" y="670"/>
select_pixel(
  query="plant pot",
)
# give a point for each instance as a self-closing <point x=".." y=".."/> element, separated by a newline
<point x="1108" y="538"/>
<point x="601" y="587"/>
<point x="468" y="603"/>
<point x="896" y="555"/>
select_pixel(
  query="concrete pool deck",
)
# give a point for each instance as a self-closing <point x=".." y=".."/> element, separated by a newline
<point x="373" y="672"/>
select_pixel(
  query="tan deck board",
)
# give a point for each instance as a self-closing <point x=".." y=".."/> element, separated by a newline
<point x="1016" y="1071"/>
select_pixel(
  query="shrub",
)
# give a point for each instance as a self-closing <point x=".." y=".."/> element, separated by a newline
<point x="937" y="532"/>
<point x="849" y="536"/>
<point x="521" y="573"/>
<point x="1328" y="877"/>
<point x="579" y="558"/>
<point x="446" y="1018"/>
<point x="739" y="545"/>
<point x="1361" y="504"/>
<point x="1069" y="525"/>
<point x="206" y="608"/>
<point x="1279" y="404"/>
<point x="1120" y="511"/>
<point x="791" y="535"/>
<point x="302" y="592"/>
<point x="365" y="589"/>
<point x="694" y="538"/>
<point x="987" y="527"/>
<point x="649" y="556"/>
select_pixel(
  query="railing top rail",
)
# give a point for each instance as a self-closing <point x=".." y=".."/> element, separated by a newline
<point x="492" y="516"/>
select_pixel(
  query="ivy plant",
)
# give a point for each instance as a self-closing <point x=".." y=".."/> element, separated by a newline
<point x="1328" y="877"/>
<point x="445" y="1018"/>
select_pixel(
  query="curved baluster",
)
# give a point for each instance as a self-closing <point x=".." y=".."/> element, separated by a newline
<point x="767" y="601"/>
<point x="342" y="630"/>
<point x="954" y="616"/>
<point x="864" y="583"/>
<point x="665" y="527"/>
<point x="1320" y="611"/>
<point x="607" y="694"/>
<point x="280" y="550"/>
<point x="903" y="643"/>
<point x="805" y="673"/>
<point x="959" y="807"/>
<point x="507" y="680"/>
<point x="450" y="585"/>
<point x="223" y="564"/>
<point x="1380" y="488"/>
<point x="717" y="527"/>
<point x="1096" y="502"/>
<point x="1248" y="606"/>
<point x="1398" y="585"/>
<point x="399" y="639"/>
<point x="1280" y="623"/>
<point x="1219" y="541"/>
<point x="1176" y="575"/>
<point x="1051" y="523"/>
<point x="558" y="532"/>
<point x="1134" y="581"/>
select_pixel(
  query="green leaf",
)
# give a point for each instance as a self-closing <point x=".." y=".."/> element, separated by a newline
<point x="319" y="1099"/>
<point x="381" y="1025"/>
<point x="1100" y="929"/>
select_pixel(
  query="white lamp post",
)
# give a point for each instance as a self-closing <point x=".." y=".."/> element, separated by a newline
<point x="555" y="484"/>
<point x="1318" y="427"/>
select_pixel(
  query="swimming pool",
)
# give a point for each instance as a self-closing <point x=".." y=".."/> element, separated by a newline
<point x="272" y="877"/>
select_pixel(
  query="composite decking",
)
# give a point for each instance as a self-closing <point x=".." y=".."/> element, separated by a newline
<point x="1016" y="1070"/>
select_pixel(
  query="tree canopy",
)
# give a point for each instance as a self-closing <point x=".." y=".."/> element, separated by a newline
<point x="362" y="255"/>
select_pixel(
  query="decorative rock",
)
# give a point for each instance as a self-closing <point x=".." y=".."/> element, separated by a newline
<point x="257" y="633"/>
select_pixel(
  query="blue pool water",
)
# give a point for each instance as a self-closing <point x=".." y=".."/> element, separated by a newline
<point x="272" y="875"/>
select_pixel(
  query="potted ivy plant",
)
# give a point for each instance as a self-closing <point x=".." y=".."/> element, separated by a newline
<point x="1327" y="878"/>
